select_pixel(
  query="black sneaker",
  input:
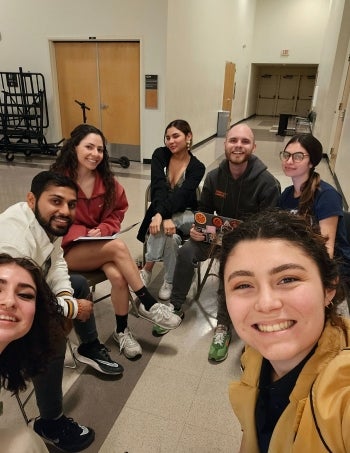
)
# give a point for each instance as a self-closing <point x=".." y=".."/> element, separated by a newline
<point x="96" y="355"/>
<point x="66" y="434"/>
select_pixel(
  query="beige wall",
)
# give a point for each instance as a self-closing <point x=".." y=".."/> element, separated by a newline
<point x="27" y="27"/>
<point x="202" y="36"/>
<point x="296" y="25"/>
<point x="342" y="166"/>
<point x="330" y="72"/>
<point x="185" y="42"/>
<point x="333" y="66"/>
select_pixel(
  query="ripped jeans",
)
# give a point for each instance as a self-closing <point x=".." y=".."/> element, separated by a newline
<point x="161" y="247"/>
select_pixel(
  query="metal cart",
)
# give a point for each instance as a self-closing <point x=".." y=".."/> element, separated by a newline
<point x="24" y="115"/>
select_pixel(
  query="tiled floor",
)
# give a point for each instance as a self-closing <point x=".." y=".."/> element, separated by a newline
<point x="180" y="401"/>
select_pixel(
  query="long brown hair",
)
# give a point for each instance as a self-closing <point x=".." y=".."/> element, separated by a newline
<point x="183" y="126"/>
<point x="67" y="162"/>
<point x="309" y="188"/>
<point x="27" y="356"/>
<point x="277" y="224"/>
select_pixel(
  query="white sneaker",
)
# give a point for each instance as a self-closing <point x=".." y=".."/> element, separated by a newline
<point x="160" y="314"/>
<point x="165" y="291"/>
<point x="127" y="344"/>
<point x="146" y="277"/>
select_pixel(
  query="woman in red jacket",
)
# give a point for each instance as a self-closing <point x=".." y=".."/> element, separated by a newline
<point x="100" y="210"/>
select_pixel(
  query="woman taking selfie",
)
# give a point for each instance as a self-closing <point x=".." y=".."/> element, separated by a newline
<point x="29" y="321"/>
<point x="282" y="293"/>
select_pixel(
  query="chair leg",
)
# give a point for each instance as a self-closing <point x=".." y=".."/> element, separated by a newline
<point x="199" y="278"/>
<point x="22" y="405"/>
<point x="202" y="282"/>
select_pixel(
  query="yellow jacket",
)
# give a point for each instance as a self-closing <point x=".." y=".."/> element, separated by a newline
<point x="326" y="376"/>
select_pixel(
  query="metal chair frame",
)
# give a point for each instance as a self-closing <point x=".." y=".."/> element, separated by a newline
<point x="98" y="276"/>
<point x="208" y="273"/>
<point x="93" y="278"/>
<point x="22" y="403"/>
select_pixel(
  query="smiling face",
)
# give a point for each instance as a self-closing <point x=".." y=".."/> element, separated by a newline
<point x="55" y="209"/>
<point x="90" y="151"/>
<point x="293" y="169"/>
<point x="276" y="300"/>
<point x="17" y="303"/>
<point x="176" y="140"/>
<point x="239" y="144"/>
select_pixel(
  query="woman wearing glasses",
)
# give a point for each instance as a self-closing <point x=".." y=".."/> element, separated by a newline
<point x="313" y="198"/>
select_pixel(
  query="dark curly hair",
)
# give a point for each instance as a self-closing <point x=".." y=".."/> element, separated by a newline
<point x="27" y="356"/>
<point x="67" y="162"/>
<point x="276" y="224"/>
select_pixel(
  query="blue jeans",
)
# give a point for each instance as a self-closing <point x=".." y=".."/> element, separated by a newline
<point x="161" y="247"/>
<point x="48" y="385"/>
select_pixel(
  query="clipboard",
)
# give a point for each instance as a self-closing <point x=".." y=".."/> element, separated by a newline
<point x="105" y="238"/>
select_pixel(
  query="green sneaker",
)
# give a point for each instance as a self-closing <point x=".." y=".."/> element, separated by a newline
<point x="158" y="331"/>
<point x="219" y="347"/>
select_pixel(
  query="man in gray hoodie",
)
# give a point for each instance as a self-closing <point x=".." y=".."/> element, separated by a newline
<point x="239" y="187"/>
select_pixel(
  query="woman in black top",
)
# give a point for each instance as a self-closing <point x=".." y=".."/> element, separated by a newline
<point x="175" y="176"/>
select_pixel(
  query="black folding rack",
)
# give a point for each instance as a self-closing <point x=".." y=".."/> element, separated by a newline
<point x="24" y="115"/>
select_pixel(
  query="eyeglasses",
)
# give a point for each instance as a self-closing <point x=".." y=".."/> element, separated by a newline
<point x="297" y="157"/>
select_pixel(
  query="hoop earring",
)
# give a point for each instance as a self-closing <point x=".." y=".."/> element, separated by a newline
<point x="330" y="303"/>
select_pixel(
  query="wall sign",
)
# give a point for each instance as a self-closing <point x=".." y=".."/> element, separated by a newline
<point x="151" y="89"/>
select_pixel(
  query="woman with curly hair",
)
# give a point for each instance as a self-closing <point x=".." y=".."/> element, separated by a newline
<point x="282" y="292"/>
<point x="29" y="323"/>
<point x="100" y="210"/>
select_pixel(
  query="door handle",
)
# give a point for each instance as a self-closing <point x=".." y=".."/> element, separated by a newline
<point x="104" y="106"/>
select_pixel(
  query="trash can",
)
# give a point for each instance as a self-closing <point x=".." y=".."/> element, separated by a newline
<point x="223" y="120"/>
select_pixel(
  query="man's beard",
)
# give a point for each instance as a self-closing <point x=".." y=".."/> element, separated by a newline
<point x="51" y="231"/>
<point x="242" y="158"/>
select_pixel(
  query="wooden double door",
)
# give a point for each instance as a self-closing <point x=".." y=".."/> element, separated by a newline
<point x="105" y="78"/>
